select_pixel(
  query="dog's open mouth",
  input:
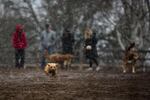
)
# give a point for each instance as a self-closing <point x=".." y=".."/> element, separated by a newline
<point x="53" y="72"/>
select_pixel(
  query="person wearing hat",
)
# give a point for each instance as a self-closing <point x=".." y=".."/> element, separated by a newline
<point x="19" y="42"/>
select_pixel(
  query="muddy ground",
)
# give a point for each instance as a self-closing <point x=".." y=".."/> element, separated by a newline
<point x="33" y="84"/>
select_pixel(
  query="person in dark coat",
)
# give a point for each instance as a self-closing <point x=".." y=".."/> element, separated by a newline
<point x="94" y="43"/>
<point x="67" y="45"/>
<point x="90" y="48"/>
<point x="67" y="42"/>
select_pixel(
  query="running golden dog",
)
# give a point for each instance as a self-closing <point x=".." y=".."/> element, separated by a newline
<point x="51" y="68"/>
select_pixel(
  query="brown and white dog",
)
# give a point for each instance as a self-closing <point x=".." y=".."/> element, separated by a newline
<point x="130" y="59"/>
<point x="51" y="68"/>
<point x="66" y="59"/>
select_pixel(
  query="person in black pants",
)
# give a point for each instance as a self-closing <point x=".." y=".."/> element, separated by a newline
<point x="19" y="57"/>
<point x="90" y="48"/>
<point x="67" y="44"/>
<point x="19" y="42"/>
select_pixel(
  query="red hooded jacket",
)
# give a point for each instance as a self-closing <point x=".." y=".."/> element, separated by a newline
<point x="19" y="42"/>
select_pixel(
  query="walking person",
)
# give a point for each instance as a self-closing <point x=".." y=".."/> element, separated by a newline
<point x="47" y="43"/>
<point x="67" y="42"/>
<point x="90" y="42"/>
<point x="19" y="42"/>
<point x="67" y="46"/>
<point x="94" y="42"/>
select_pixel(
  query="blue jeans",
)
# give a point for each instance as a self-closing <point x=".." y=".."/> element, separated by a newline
<point x="43" y="60"/>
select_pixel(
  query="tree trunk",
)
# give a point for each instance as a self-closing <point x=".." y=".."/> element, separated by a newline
<point x="119" y="40"/>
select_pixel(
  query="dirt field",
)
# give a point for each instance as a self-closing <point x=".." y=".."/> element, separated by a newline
<point x="33" y="84"/>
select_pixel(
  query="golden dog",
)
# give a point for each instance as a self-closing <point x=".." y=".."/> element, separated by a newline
<point x="66" y="59"/>
<point x="51" y="68"/>
<point x="130" y="59"/>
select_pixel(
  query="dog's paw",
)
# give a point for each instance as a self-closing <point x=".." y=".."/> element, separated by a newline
<point x="98" y="69"/>
<point x="124" y="71"/>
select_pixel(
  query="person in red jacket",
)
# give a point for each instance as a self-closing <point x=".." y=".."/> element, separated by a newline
<point x="19" y="42"/>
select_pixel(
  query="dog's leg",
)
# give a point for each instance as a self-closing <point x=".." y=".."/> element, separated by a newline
<point x="61" y="65"/>
<point x="133" y="69"/>
<point x="65" y="64"/>
<point x="124" y="68"/>
<point x="46" y="73"/>
<point x="144" y="68"/>
<point x="69" y="63"/>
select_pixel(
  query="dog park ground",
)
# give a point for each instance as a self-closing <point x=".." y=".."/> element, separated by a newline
<point x="74" y="84"/>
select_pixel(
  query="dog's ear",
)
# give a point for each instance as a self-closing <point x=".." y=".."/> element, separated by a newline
<point x="48" y="65"/>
